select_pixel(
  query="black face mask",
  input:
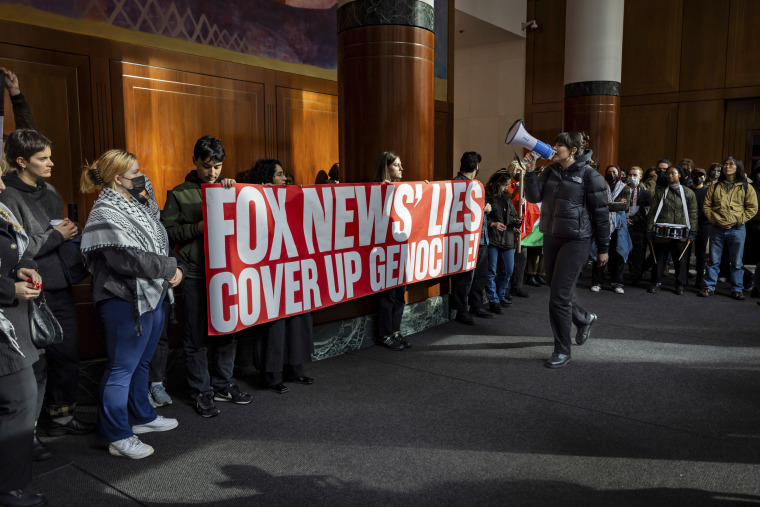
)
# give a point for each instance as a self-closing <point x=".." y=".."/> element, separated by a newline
<point x="624" y="179"/>
<point x="698" y="180"/>
<point x="662" y="180"/>
<point x="611" y="178"/>
<point x="138" y="185"/>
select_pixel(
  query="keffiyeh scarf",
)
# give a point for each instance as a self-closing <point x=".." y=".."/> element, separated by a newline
<point x="117" y="222"/>
<point x="22" y="240"/>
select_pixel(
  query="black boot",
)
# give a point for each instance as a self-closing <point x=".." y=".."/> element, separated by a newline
<point x="21" y="498"/>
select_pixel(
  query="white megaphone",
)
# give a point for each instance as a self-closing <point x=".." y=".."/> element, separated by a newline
<point x="519" y="136"/>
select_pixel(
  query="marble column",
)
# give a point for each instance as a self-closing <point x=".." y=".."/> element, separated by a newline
<point x="593" y="63"/>
<point x="386" y="85"/>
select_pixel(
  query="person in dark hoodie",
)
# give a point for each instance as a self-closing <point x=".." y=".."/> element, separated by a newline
<point x="183" y="219"/>
<point x="574" y="213"/>
<point x="39" y="208"/>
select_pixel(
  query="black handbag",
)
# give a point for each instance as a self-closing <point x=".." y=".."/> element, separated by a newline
<point x="44" y="327"/>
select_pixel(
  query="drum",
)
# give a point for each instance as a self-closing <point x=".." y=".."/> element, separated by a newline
<point x="671" y="231"/>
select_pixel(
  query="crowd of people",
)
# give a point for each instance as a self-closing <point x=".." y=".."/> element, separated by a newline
<point x="541" y="226"/>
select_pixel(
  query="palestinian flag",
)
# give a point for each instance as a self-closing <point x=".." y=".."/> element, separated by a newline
<point x="531" y="235"/>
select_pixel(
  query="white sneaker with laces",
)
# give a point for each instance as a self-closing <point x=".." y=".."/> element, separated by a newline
<point x="160" y="423"/>
<point x="595" y="288"/>
<point x="130" y="447"/>
<point x="619" y="290"/>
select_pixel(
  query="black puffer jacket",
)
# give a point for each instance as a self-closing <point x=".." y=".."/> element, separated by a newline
<point x="573" y="202"/>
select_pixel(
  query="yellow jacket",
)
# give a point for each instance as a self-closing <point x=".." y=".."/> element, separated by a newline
<point x="730" y="207"/>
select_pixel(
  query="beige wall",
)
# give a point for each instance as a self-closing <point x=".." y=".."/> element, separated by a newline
<point x="488" y="97"/>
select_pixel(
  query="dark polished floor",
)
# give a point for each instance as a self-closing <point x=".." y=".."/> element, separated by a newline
<point x="660" y="407"/>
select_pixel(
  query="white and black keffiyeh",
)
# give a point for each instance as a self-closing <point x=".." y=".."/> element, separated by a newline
<point x="117" y="222"/>
<point x="22" y="240"/>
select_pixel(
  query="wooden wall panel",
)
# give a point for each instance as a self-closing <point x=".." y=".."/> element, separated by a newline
<point x="703" y="51"/>
<point x="647" y="133"/>
<point x="307" y="133"/>
<point x="741" y="116"/>
<point x="544" y="126"/>
<point x="743" y="48"/>
<point x="651" y="46"/>
<point x="443" y="168"/>
<point x="56" y="86"/>
<point x="700" y="132"/>
<point x="166" y="111"/>
<point x="546" y="54"/>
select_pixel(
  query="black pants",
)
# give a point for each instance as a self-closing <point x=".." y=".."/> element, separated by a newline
<point x="479" y="279"/>
<point x="636" y="256"/>
<point x="202" y="377"/>
<point x="564" y="259"/>
<point x="615" y="266"/>
<point x="700" y="251"/>
<point x="674" y="248"/>
<point x="390" y="309"/>
<point x="18" y="396"/>
<point x="460" y="289"/>
<point x="157" y="372"/>
<point x="62" y="358"/>
<point x="518" y="274"/>
<point x="283" y="347"/>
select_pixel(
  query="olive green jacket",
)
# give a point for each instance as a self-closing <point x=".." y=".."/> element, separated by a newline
<point x="733" y="207"/>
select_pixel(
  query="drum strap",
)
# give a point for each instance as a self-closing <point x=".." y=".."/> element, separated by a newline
<point x="683" y="201"/>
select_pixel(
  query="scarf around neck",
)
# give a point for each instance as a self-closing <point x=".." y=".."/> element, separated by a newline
<point x="22" y="241"/>
<point x="118" y="222"/>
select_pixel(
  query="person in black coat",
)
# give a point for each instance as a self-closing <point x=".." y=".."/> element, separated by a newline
<point x="19" y="282"/>
<point x="288" y="343"/>
<point x="574" y="212"/>
<point x="501" y="235"/>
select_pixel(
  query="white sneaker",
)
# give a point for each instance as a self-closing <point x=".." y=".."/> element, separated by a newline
<point x="130" y="447"/>
<point x="619" y="290"/>
<point x="595" y="288"/>
<point x="160" y="423"/>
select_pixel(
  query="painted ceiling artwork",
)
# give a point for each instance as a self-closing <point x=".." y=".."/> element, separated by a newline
<point x="266" y="28"/>
<point x="293" y="31"/>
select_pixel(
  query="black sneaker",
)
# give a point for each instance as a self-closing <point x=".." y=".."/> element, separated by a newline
<point x="495" y="308"/>
<point x="402" y="339"/>
<point x="391" y="344"/>
<point x="204" y="405"/>
<point x="506" y="302"/>
<point x="233" y="394"/>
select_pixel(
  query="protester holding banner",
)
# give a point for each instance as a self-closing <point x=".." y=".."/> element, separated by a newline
<point x="461" y="283"/>
<point x="288" y="343"/>
<point x="574" y="212"/>
<point x="390" y="302"/>
<point x="183" y="219"/>
<point x="127" y="251"/>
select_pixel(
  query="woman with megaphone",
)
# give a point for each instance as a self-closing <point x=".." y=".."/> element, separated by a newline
<point x="574" y="212"/>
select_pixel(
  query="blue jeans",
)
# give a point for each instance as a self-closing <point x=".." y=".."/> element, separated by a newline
<point x="123" y="400"/>
<point x="733" y="239"/>
<point x="501" y="262"/>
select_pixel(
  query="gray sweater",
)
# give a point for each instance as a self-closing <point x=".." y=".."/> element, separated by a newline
<point x="43" y="239"/>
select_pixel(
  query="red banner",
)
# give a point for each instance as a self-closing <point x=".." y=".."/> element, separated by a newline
<point x="276" y="251"/>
